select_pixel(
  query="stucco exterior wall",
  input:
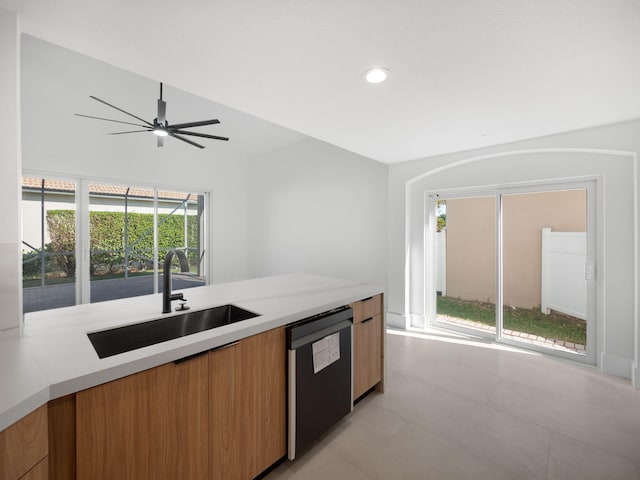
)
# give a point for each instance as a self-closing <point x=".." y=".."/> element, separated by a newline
<point x="471" y="242"/>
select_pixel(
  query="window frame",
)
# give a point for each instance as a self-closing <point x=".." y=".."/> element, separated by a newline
<point x="82" y="209"/>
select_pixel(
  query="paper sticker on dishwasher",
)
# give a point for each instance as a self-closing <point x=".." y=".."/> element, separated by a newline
<point x="326" y="351"/>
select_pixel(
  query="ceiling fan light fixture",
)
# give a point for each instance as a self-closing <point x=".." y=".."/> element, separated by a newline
<point x="160" y="127"/>
<point x="376" y="75"/>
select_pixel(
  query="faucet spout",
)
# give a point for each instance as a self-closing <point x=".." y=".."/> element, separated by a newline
<point x="167" y="296"/>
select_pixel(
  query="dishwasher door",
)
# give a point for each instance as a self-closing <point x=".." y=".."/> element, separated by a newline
<point x="320" y="381"/>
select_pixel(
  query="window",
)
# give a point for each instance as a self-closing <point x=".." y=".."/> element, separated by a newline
<point x="48" y="243"/>
<point x="514" y="265"/>
<point x="128" y="230"/>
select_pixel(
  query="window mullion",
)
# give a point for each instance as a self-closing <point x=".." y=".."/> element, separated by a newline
<point x="499" y="269"/>
<point x="83" y="283"/>
<point x="156" y="260"/>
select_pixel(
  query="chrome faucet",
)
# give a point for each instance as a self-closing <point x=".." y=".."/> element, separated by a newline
<point x="167" y="296"/>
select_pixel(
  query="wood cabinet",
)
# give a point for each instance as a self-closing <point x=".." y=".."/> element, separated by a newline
<point x="368" y="345"/>
<point x="24" y="445"/>
<point x="151" y="425"/>
<point x="62" y="438"/>
<point x="247" y="402"/>
<point x="39" y="472"/>
<point x="219" y="415"/>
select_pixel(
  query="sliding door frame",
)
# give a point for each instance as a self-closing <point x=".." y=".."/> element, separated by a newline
<point x="595" y="239"/>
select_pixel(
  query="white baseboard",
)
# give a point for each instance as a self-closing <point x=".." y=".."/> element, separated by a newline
<point x="396" y="320"/>
<point x="614" y="365"/>
<point x="635" y="378"/>
<point x="418" y="320"/>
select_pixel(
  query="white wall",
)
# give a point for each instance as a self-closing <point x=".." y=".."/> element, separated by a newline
<point x="10" y="171"/>
<point x="56" y="83"/>
<point x="616" y="330"/>
<point x="317" y="208"/>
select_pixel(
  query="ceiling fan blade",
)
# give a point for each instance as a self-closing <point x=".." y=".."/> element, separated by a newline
<point x="196" y="134"/>
<point x="160" y="141"/>
<point x="186" y="140"/>
<point x="120" y="110"/>
<point x="130" y="131"/>
<point x="109" y="120"/>
<point x="162" y="109"/>
<point x="195" y="124"/>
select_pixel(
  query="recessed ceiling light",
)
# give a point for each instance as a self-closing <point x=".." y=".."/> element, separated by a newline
<point x="376" y="75"/>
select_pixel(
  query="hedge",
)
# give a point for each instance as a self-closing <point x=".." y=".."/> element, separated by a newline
<point x="106" y="236"/>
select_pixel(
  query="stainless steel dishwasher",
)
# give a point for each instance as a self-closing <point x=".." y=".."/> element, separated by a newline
<point x="320" y="382"/>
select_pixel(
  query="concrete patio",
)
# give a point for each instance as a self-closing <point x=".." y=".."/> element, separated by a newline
<point x="56" y="296"/>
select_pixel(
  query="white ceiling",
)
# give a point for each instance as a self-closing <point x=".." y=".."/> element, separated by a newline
<point x="464" y="73"/>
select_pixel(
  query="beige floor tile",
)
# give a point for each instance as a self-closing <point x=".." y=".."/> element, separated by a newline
<point x="506" y="440"/>
<point x="421" y="454"/>
<point x="571" y="459"/>
<point x="601" y="427"/>
<point x="320" y="464"/>
<point x="456" y="407"/>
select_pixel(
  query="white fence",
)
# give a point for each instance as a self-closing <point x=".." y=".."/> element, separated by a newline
<point x="564" y="287"/>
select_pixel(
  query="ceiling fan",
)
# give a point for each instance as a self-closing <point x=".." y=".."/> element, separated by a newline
<point x="160" y="126"/>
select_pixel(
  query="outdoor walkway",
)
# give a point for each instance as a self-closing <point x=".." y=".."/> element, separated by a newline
<point x="56" y="296"/>
<point x="520" y="336"/>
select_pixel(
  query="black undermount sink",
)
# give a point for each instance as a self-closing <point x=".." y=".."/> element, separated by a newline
<point x="131" y="337"/>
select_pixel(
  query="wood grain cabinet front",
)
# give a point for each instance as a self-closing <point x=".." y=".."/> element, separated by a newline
<point x="247" y="402"/>
<point x="24" y="446"/>
<point x="368" y="345"/>
<point x="39" y="472"/>
<point x="219" y="415"/>
<point x="151" y="425"/>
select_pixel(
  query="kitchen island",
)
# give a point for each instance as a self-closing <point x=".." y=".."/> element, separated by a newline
<point x="51" y="358"/>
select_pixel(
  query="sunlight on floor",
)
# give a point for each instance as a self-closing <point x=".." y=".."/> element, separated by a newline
<point x="460" y="339"/>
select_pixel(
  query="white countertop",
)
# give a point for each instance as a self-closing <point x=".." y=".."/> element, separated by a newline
<point x="52" y="355"/>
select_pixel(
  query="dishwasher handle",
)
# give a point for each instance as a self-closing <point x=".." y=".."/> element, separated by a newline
<point x="317" y="327"/>
<point x="319" y="334"/>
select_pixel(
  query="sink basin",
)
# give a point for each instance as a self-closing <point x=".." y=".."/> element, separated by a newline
<point x="131" y="337"/>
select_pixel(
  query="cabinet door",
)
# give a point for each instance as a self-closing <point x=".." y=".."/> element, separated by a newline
<point x="227" y="423"/>
<point x="23" y="444"/>
<point x="270" y="401"/>
<point x="39" y="472"/>
<point x="367" y="354"/>
<point x="151" y="425"/>
<point x="247" y="395"/>
<point x="62" y="438"/>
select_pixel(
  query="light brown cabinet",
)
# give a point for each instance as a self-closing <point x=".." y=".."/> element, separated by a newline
<point x="62" y="438"/>
<point x="24" y="446"/>
<point x="368" y="345"/>
<point x="247" y="402"/>
<point x="151" y="425"/>
<point x="219" y="415"/>
<point x="39" y="472"/>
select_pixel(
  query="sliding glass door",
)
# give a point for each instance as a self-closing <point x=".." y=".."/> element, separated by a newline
<point x="516" y="264"/>
<point x="465" y="265"/>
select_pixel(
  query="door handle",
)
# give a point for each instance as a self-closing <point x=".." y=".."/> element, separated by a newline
<point x="226" y="345"/>
<point x="190" y="357"/>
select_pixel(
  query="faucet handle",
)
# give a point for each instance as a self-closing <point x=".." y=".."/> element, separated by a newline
<point x="177" y="296"/>
<point x="182" y="307"/>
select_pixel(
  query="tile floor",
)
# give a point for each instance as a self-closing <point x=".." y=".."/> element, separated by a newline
<point x="457" y="407"/>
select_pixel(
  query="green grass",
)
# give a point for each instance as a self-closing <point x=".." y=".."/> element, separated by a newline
<point x="552" y="326"/>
